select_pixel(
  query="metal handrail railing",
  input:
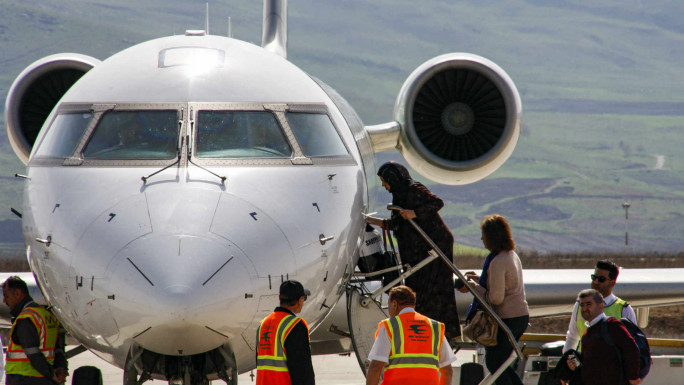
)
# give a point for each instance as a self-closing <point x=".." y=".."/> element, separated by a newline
<point x="407" y="272"/>
<point x="470" y="288"/>
<point x="491" y="377"/>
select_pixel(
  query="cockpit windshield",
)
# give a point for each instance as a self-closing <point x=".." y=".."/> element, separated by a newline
<point x="316" y="134"/>
<point x="217" y="134"/>
<point x="64" y="135"/>
<point x="239" y="134"/>
<point x="138" y="134"/>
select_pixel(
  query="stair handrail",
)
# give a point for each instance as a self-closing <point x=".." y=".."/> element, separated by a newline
<point x="470" y="288"/>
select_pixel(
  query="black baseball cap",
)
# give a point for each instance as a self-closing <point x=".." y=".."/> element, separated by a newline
<point x="293" y="290"/>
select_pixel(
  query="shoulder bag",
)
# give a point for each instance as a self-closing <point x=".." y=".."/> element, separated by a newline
<point x="482" y="329"/>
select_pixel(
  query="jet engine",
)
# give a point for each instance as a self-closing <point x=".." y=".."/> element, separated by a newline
<point x="34" y="94"/>
<point x="457" y="119"/>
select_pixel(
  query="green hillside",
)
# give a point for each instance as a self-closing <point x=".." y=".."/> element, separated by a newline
<point x="601" y="85"/>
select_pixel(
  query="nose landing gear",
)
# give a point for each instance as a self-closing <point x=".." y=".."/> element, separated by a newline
<point x="198" y="369"/>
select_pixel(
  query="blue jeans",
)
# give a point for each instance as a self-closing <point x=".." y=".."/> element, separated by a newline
<point x="496" y="355"/>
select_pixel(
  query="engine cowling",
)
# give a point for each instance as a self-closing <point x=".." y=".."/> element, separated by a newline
<point x="460" y="117"/>
<point x="34" y="94"/>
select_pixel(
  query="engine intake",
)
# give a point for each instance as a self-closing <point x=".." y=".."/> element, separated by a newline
<point x="34" y="94"/>
<point x="460" y="117"/>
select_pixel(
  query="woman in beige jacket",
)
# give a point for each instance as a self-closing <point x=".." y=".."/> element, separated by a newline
<point x="501" y="285"/>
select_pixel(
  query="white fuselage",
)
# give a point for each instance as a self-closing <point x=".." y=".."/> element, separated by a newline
<point x="184" y="263"/>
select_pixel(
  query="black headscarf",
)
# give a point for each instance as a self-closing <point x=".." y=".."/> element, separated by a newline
<point x="399" y="180"/>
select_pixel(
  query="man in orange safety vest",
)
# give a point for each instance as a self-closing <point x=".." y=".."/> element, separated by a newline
<point x="411" y="347"/>
<point x="283" y="351"/>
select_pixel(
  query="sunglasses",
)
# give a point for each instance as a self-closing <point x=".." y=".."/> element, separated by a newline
<point x="600" y="278"/>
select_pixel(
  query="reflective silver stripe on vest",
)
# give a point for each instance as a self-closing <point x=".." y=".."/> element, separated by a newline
<point x="413" y="361"/>
<point x="271" y="362"/>
<point x="435" y="337"/>
<point x="21" y="355"/>
<point x="31" y="350"/>
<point x="42" y="330"/>
<point x="281" y="330"/>
<point x="396" y="334"/>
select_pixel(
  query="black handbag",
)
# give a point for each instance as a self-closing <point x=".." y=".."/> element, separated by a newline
<point x="390" y="258"/>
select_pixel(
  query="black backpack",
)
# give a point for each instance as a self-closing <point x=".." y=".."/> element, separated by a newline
<point x="645" y="361"/>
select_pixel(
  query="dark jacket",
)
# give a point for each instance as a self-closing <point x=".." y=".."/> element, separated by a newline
<point x="433" y="284"/>
<point x="426" y="205"/>
<point x="298" y="353"/>
<point x="600" y="363"/>
<point x="26" y="335"/>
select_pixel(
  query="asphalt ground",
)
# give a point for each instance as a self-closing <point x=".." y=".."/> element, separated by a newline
<point x="330" y="369"/>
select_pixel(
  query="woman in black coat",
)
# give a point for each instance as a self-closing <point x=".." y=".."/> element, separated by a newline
<point x="433" y="284"/>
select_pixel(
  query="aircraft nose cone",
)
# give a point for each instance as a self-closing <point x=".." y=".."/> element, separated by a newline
<point x="182" y="294"/>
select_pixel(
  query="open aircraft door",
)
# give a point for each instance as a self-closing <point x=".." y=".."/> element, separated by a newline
<point x="363" y="316"/>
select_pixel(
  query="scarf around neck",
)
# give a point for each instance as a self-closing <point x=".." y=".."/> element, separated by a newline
<point x="482" y="282"/>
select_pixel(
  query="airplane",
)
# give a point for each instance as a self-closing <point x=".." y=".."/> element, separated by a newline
<point x="173" y="186"/>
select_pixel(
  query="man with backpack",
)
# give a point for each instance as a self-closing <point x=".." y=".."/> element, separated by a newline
<point x="611" y="359"/>
<point x="604" y="280"/>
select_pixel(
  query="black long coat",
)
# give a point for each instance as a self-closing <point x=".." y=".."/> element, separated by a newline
<point x="433" y="283"/>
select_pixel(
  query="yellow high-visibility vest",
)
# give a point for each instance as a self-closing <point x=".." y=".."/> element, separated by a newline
<point x="47" y="327"/>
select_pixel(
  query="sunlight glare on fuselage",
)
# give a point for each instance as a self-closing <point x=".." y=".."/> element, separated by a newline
<point x="196" y="60"/>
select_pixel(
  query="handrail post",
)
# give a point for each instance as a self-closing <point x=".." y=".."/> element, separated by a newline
<point x="491" y="377"/>
<point x="409" y="271"/>
<point x="470" y="288"/>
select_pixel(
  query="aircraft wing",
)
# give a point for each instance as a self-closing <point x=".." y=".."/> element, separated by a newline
<point x="553" y="292"/>
<point x="549" y="293"/>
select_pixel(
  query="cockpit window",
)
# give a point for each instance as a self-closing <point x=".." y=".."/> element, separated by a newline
<point x="316" y="134"/>
<point x="64" y="135"/>
<point x="140" y="134"/>
<point x="239" y="134"/>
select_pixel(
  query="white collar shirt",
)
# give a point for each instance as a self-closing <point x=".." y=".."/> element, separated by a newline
<point x="382" y="346"/>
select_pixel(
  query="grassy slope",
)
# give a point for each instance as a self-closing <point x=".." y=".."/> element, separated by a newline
<point x="601" y="88"/>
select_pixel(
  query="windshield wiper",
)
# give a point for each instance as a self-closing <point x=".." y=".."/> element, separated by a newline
<point x="223" y="178"/>
<point x="192" y="131"/>
<point x="178" y="151"/>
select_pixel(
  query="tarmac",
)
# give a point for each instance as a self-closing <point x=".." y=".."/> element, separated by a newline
<point x="330" y="369"/>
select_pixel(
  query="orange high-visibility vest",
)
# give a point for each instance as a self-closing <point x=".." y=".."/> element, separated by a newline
<point x="416" y="341"/>
<point x="47" y="327"/>
<point x="271" y="354"/>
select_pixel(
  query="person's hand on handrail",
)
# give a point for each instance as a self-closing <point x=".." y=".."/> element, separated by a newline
<point x="472" y="276"/>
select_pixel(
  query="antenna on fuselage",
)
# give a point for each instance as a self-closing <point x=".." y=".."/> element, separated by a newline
<point x="230" y="29"/>
<point x="274" y="30"/>
<point x="206" y="21"/>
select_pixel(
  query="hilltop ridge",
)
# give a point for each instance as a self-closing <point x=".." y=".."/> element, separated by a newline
<point x="601" y="87"/>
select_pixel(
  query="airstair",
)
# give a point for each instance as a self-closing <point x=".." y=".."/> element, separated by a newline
<point x="367" y="301"/>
